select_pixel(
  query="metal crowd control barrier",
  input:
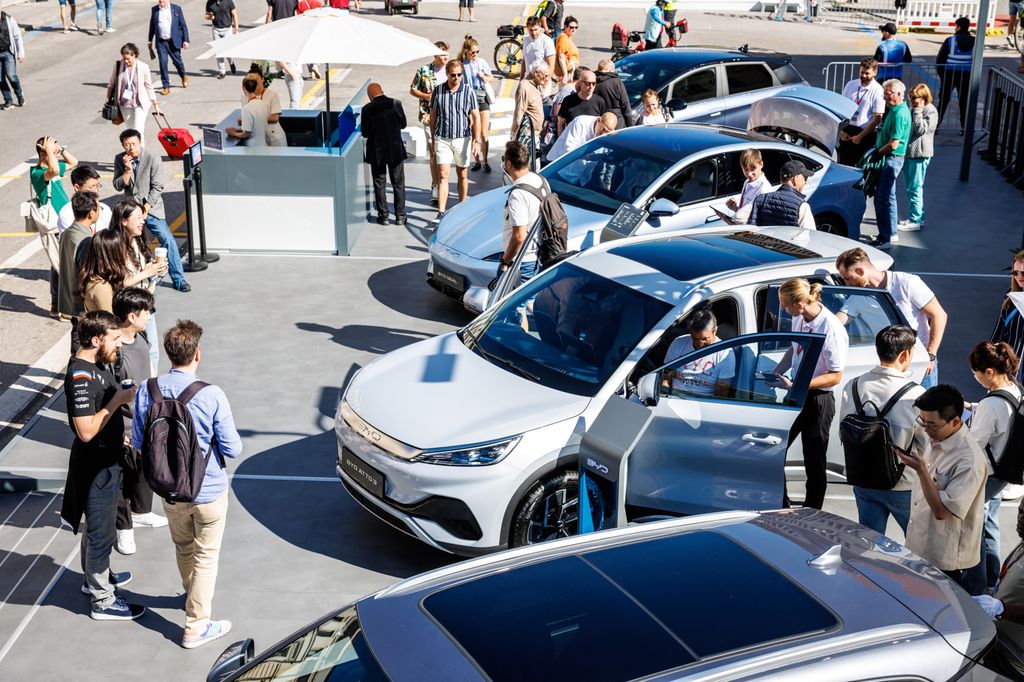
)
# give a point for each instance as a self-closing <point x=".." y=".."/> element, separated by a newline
<point x="935" y="15"/>
<point x="838" y="74"/>
<point x="1003" y="121"/>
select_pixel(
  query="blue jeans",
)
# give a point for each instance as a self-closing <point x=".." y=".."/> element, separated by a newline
<point x="527" y="270"/>
<point x="913" y="178"/>
<point x="885" y="197"/>
<point x="154" y="343"/>
<point x="875" y="506"/>
<point x="104" y="14"/>
<point x="165" y="49"/>
<point x="932" y="379"/>
<point x="160" y="230"/>
<point x="99" y="535"/>
<point x="977" y="578"/>
<point x="9" y="72"/>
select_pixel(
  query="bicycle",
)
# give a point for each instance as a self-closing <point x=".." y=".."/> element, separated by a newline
<point x="508" y="53"/>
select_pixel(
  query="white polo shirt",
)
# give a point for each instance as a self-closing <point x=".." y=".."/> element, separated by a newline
<point x="836" y="346"/>
<point x="522" y="208"/>
<point x="700" y="377"/>
<point x="536" y="52"/>
<point x="869" y="99"/>
<point x="910" y="294"/>
<point x="66" y="218"/>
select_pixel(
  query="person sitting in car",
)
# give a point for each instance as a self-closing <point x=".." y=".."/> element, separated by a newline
<point x="711" y="374"/>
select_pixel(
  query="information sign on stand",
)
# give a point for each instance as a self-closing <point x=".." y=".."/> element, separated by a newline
<point x="623" y="223"/>
<point x="604" y="454"/>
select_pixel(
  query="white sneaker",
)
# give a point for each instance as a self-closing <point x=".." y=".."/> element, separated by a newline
<point x="907" y="226"/>
<point x="1013" y="492"/>
<point x="895" y="238"/>
<point x="149" y="520"/>
<point x="111" y="29"/>
<point x="125" y="543"/>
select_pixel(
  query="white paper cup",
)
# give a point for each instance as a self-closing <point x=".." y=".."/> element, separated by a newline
<point x="160" y="253"/>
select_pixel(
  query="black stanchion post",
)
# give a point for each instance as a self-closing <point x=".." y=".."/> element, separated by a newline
<point x="191" y="264"/>
<point x="197" y="175"/>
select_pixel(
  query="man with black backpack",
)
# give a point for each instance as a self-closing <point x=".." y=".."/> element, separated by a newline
<point x="189" y="473"/>
<point x="529" y="199"/>
<point x="878" y="412"/>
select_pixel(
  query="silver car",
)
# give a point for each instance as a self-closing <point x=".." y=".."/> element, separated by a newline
<point x="790" y="596"/>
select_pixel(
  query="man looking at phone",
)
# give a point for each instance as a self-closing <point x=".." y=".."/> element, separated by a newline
<point x="947" y="501"/>
<point x="711" y="374"/>
<point x="895" y="348"/>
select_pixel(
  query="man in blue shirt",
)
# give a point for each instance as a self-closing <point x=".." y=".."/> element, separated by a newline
<point x="655" y="25"/>
<point x="197" y="528"/>
<point x="891" y="54"/>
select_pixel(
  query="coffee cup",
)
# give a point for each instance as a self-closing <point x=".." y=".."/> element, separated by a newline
<point x="160" y="253"/>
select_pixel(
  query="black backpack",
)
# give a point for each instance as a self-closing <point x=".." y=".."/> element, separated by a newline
<point x="554" y="224"/>
<point x="172" y="462"/>
<point x="870" y="461"/>
<point x="1009" y="466"/>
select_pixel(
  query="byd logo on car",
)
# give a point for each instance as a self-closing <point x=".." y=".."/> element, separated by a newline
<point x="596" y="466"/>
<point x="368" y="433"/>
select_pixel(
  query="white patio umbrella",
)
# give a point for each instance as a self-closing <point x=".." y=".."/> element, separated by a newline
<point x="325" y="36"/>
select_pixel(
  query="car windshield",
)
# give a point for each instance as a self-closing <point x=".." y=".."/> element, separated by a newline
<point x="334" y="649"/>
<point x="604" y="174"/>
<point x="638" y="75"/>
<point x="567" y="329"/>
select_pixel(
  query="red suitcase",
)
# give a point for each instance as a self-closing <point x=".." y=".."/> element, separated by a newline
<point x="176" y="141"/>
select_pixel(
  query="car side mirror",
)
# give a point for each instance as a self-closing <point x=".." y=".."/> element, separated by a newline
<point x="647" y="388"/>
<point x="477" y="299"/>
<point x="676" y="104"/>
<point x="663" y="208"/>
<point x="232" y="659"/>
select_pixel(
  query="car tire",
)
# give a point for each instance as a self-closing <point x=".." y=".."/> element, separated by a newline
<point x="831" y="223"/>
<point x="550" y="509"/>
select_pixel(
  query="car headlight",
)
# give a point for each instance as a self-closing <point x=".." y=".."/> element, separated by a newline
<point x="476" y="455"/>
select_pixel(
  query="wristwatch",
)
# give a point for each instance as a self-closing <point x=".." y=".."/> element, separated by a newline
<point x="931" y="357"/>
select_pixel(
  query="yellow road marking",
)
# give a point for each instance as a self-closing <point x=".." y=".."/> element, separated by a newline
<point x="506" y="87"/>
<point x="16" y="234"/>
<point x="316" y="87"/>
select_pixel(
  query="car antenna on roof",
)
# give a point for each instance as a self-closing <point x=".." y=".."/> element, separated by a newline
<point x="746" y="48"/>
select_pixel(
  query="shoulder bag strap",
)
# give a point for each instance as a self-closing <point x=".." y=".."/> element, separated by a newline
<point x="857" y="405"/>
<point x="896" y="397"/>
<point x="154" y="391"/>
<point x="190" y="391"/>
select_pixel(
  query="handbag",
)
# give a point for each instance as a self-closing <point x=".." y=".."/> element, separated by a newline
<point x="111" y="111"/>
<point x="489" y="91"/>
<point x="42" y="218"/>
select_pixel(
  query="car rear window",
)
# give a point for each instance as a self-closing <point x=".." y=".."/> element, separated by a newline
<point x="625" y="612"/>
<point x="787" y="74"/>
<point x="748" y="77"/>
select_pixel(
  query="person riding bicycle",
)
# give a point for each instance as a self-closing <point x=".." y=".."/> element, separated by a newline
<point x="656" y="25"/>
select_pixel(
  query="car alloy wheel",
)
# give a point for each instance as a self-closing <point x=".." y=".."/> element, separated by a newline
<point x="550" y="509"/>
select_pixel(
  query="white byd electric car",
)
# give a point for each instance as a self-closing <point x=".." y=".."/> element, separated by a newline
<point x="469" y="441"/>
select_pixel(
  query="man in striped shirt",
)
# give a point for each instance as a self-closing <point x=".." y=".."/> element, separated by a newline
<point x="455" y="122"/>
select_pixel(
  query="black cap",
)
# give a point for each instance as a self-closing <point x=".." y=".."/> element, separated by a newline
<point x="963" y="23"/>
<point x="791" y="169"/>
<point x="888" y="28"/>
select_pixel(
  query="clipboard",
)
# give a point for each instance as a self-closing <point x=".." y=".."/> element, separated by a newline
<point x="729" y="218"/>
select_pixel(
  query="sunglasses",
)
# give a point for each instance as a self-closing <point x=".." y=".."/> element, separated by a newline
<point x="1016" y="273"/>
<point x="571" y="28"/>
<point x="456" y="74"/>
<point x="474" y="51"/>
<point x="589" y="84"/>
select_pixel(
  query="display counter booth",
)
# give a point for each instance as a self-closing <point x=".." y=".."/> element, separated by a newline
<point x="313" y="196"/>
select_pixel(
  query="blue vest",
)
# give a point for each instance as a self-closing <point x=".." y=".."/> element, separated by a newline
<point x="781" y="207"/>
<point x="958" y="60"/>
<point x="893" y="52"/>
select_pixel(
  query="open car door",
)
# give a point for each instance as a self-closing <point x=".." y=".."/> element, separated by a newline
<point x="720" y="423"/>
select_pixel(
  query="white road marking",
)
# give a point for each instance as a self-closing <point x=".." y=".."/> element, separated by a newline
<point x="10" y="552"/>
<point x="15" y="173"/>
<point x="22" y="255"/>
<point x="43" y="375"/>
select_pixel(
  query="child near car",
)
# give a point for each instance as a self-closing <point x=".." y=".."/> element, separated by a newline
<point x="756" y="182"/>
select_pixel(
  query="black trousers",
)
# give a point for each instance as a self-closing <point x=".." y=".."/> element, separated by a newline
<point x="812" y="425"/>
<point x="849" y="151"/>
<point x="380" y="197"/>
<point x="136" y="497"/>
<point x="954" y="80"/>
<point x="670" y="31"/>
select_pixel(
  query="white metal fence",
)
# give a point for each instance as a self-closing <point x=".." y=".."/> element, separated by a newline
<point x="838" y="74"/>
<point x="937" y="15"/>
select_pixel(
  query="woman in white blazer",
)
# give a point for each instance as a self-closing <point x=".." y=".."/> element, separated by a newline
<point x="132" y="86"/>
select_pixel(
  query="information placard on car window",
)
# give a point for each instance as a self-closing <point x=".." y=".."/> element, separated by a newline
<point x="624" y="222"/>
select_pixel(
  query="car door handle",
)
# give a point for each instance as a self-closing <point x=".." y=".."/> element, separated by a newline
<point x="761" y="439"/>
<point x="716" y="113"/>
<point x="711" y="218"/>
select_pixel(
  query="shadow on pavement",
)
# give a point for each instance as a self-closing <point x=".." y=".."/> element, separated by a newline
<point x="391" y="287"/>
<point x="320" y="516"/>
<point x="368" y="338"/>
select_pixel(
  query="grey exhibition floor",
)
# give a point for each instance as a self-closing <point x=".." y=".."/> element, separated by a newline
<point x="281" y="336"/>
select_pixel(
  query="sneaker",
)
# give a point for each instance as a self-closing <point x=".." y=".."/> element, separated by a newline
<point x="437" y="220"/>
<point x="116" y="580"/>
<point x="895" y="238"/>
<point x="5" y="106"/>
<point x="433" y="195"/>
<point x="879" y="244"/>
<point x="125" y="543"/>
<point x="907" y="226"/>
<point x="119" y="610"/>
<point x="183" y="287"/>
<point x="213" y="630"/>
<point x="74" y="27"/>
<point x="475" y="166"/>
<point x="150" y="520"/>
<point x="99" y="30"/>
<point x="1013" y="492"/>
<point x="111" y="29"/>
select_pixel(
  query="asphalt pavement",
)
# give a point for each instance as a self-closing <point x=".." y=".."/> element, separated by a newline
<point x="284" y="333"/>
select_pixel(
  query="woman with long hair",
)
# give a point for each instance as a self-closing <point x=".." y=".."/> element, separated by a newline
<point x="142" y="269"/>
<point x="802" y="300"/>
<point x="103" y="272"/>
<point x="994" y="366"/>
<point x="1010" y="323"/>
<point x="478" y="77"/>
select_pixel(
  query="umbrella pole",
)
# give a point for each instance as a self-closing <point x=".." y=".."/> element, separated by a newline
<point x="327" y="97"/>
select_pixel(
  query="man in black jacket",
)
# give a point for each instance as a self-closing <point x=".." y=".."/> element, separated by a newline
<point x="382" y="122"/>
<point x="611" y="88"/>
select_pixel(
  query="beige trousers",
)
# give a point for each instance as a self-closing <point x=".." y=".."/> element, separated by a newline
<point x="197" y="531"/>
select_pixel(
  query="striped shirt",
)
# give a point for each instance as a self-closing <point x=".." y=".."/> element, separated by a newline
<point x="1010" y="328"/>
<point x="452" y="111"/>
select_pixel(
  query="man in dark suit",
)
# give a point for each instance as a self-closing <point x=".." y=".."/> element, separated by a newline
<point x="168" y="28"/>
<point x="382" y="122"/>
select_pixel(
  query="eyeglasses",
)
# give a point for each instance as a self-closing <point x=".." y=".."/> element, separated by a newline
<point x="1016" y="273"/>
<point x="573" y="27"/>
<point x="589" y="84"/>
<point x="929" y="426"/>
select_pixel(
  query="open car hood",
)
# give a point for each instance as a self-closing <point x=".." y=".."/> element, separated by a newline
<point x="808" y="116"/>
